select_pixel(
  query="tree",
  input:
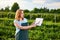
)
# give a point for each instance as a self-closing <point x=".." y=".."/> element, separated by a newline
<point x="53" y="11"/>
<point x="14" y="7"/>
<point x="36" y="10"/>
<point x="26" y="11"/>
<point x="7" y="9"/>
<point x="58" y="10"/>
<point x="41" y="10"/>
<point x="1" y="9"/>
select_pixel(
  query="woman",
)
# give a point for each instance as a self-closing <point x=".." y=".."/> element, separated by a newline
<point x="22" y="26"/>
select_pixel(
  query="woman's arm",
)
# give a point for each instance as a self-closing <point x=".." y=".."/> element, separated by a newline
<point x="24" y="27"/>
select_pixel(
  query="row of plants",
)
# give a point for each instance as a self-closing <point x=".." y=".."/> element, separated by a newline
<point x="47" y="17"/>
<point x="44" y="32"/>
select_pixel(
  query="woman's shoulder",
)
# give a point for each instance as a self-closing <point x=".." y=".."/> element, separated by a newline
<point x="15" y="20"/>
<point x="25" y="19"/>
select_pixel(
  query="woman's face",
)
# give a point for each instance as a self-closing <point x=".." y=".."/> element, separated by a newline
<point x="22" y="14"/>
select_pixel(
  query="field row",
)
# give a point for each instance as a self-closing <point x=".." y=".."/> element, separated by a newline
<point x="48" y="31"/>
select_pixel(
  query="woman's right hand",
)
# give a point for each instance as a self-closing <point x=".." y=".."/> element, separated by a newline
<point x="33" y="24"/>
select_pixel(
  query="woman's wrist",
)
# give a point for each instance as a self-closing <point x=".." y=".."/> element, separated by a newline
<point x="33" y="25"/>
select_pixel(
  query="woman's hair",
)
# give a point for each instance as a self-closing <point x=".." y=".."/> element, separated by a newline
<point x="18" y="14"/>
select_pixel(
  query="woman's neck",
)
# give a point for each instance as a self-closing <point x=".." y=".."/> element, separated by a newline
<point x="21" y="19"/>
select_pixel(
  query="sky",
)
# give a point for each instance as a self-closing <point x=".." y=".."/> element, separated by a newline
<point x="30" y="4"/>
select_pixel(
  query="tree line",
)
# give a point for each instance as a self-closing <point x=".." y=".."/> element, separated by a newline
<point x="15" y="6"/>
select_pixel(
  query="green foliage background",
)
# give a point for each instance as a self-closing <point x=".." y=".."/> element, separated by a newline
<point x="48" y="31"/>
